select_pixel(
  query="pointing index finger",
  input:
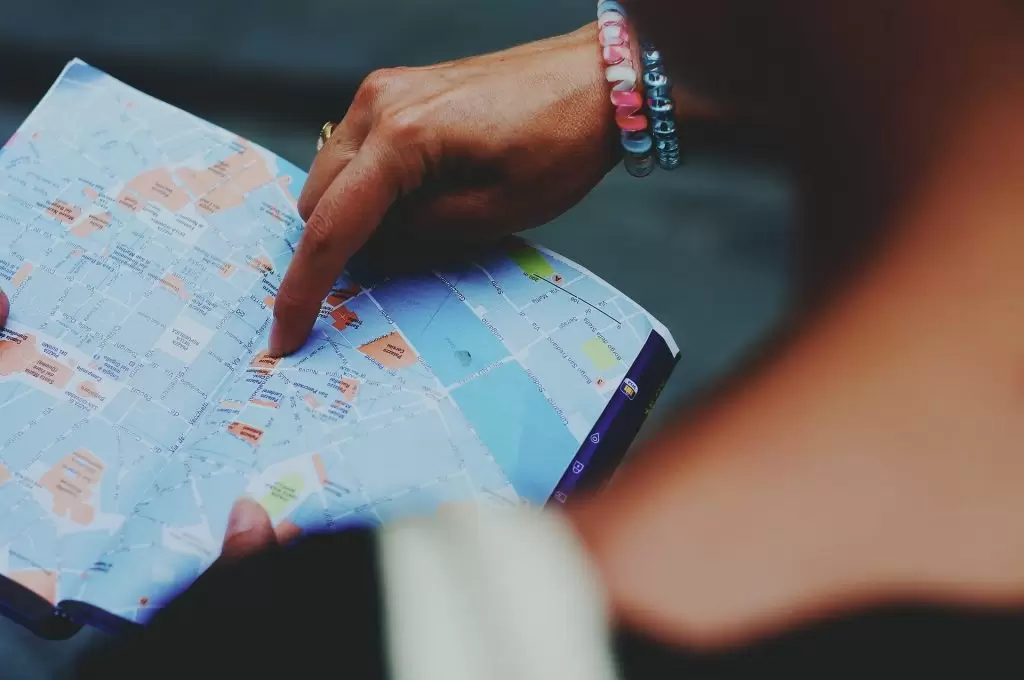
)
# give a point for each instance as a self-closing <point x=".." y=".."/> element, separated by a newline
<point x="348" y="213"/>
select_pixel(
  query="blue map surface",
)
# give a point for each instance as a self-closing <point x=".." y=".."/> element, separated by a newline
<point x="142" y="249"/>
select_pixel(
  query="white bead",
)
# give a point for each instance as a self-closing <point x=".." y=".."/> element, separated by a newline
<point x="623" y="76"/>
<point x="612" y="35"/>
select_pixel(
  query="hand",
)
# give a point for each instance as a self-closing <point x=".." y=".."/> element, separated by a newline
<point x="5" y="308"/>
<point x="250" y="531"/>
<point x="475" y="148"/>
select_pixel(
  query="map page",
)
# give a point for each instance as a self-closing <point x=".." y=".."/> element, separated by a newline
<point x="142" y="249"/>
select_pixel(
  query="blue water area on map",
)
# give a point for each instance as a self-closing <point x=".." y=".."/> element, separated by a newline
<point x="476" y="458"/>
<point x="524" y="433"/>
<point x="440" y="326"/>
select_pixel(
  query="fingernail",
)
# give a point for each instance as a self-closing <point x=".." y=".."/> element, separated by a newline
<point x="245" y="516"/>
<point x="276" y="348"/>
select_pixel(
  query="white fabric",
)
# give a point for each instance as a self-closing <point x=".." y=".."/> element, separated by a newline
<point x="490" y="595"/>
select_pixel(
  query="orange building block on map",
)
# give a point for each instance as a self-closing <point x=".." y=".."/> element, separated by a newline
<point x="72" y="481"/>
<point x="247" y="433"/>
<point x="392" y="351"/>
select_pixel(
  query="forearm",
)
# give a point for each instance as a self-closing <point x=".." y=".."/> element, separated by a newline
<point x="876" y="457"/>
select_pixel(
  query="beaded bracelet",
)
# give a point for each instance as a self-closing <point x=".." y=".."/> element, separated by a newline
<point x="617" y="52"/>
<point x="662" y="110"/>
<point x="629" y="101"/>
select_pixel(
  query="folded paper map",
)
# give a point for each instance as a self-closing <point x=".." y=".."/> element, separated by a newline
<point x="142" y="249"/>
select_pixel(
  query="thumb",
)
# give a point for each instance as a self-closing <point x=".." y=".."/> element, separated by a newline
<point x="249" y="530"/>
<point x="5" y="308"/>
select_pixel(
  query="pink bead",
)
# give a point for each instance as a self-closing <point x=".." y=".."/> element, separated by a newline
<point x="610" y="18"/>
<point x="629" y="99"/>
<point x="631" y="123"/>
<point x="616" y="54"/>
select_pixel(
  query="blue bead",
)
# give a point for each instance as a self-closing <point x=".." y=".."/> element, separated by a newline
<point x="654" y="79"/>
<point x="669" y="162"/>
<point x="637" y="142"/>
<point x="660" y="106"/>
<point x="659" y="92"/>
<point x="670" y="145"/>
<point x="664" y="127"/>
<point x="651" y="58"/>
<point x="610" y="6"/>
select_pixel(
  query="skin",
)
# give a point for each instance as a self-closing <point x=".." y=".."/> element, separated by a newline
<point x="874" y="455"/>
<point x="467" y="150"/>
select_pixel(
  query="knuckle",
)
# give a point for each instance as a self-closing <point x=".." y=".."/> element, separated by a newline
<point x="406" y="125"/>
<point x="317" y="234"/>
<point x="375" y="85"/>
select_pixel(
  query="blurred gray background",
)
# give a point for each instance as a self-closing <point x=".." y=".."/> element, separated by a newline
<point x="705" y="249"/>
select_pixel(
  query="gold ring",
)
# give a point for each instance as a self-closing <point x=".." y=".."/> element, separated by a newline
<point x="325" y="134"/>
